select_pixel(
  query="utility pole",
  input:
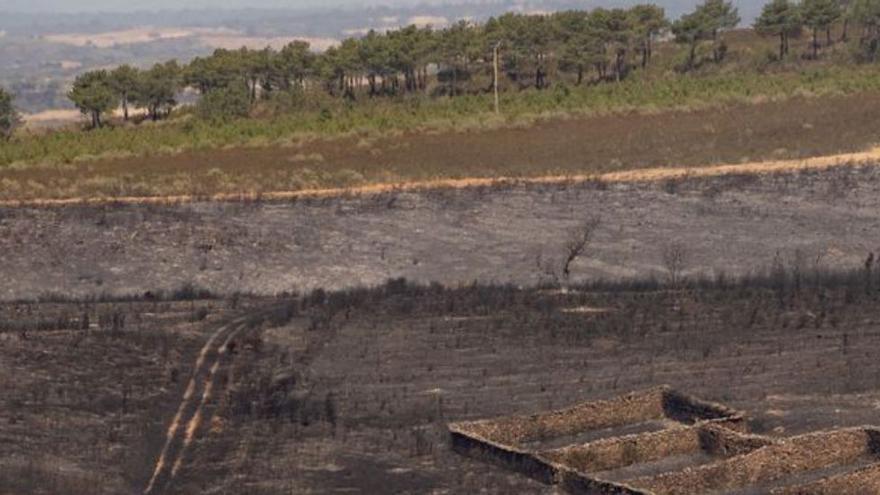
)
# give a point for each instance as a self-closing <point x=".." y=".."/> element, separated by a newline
<point x="495" y="51"/>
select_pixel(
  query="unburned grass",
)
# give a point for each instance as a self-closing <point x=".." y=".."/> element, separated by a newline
<point x="744" y="132"/>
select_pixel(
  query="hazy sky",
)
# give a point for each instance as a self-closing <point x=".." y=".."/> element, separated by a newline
<point x="748" y="8"/>
<point x="128" y="5"/>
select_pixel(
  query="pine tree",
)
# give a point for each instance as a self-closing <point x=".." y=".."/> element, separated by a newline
<point x="93" y="95"/>
<point x="779" y="18"/>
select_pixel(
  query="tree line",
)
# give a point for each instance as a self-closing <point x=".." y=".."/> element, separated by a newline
<point x="786" y="19"/>
<point x="597" y="46"/>
<point x="601" y="44"/>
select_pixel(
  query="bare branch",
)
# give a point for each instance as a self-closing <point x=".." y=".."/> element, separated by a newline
<point x="577" y="243"/>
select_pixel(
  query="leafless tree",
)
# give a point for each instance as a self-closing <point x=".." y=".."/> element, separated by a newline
<point x="557" y="269"/>
<point x="674" y="259"/>
<point x="577" y="243"/>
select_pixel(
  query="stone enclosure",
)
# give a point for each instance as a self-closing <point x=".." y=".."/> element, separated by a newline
<point x="663" y="442"/>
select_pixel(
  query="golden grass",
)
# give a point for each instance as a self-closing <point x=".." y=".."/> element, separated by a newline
<point x="659" y="174"/>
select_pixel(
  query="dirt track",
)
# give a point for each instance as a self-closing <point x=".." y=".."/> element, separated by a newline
<point x="191" y="413"/>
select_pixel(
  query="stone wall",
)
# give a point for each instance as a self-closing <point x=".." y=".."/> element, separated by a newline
<point x="773" y="462"/>
<point x="509" y="457"/>
<point x="695" y="427"/>
<point x="515" y="430"/>
<point x="578" y="484"/>
<point x="613" y="453"/>
<point x="618" y="452"/>
<point x="500" y="441"/>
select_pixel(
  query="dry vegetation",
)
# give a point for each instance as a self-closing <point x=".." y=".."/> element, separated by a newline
<point x="87" y="387"/>
<point x="793" y="128"/>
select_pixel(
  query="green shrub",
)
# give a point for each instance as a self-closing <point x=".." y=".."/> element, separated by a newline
<point x="224" y="104"/>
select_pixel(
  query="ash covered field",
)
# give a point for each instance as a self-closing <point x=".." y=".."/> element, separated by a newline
<point x="261" y="348"/>
<point x="730" y="225"/>
<point x="353" y="391"/>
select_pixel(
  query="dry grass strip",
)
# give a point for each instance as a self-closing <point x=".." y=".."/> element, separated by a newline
<point x="871" y="157"/>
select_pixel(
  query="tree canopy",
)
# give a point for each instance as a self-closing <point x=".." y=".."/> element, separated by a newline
<point x="819" y="15"/>
<point x="867" y="14"/>
<point x="93" y="95"/>
<point x="535" y="51"/>
<point x="124" y="81"/>
<point x="780" y="18"/>
<point x="157" y="89"/>
<point x="9" y="116"/>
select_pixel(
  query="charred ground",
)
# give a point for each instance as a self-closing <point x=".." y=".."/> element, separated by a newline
<point x="775" y="312"/>
<point x="730" y="225"/>
<point x="354" y="391"/>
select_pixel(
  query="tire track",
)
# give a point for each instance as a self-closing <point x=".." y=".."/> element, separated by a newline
<point x="198" y="394"/>
<point x="196" y="421"/>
